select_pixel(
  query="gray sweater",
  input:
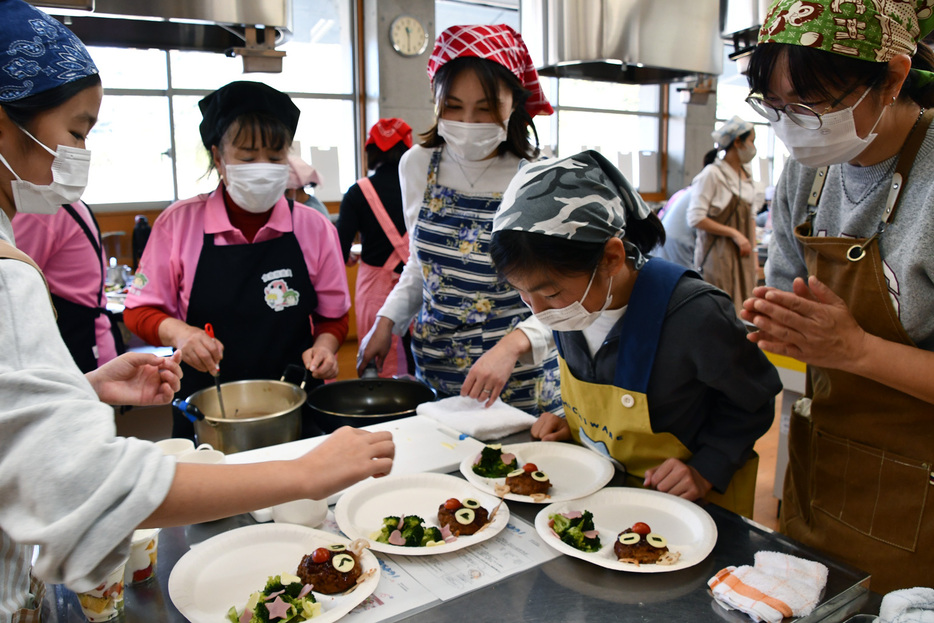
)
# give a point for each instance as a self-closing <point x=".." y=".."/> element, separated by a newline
<point x="851" y="206"/>
<point x="67" y="484"/>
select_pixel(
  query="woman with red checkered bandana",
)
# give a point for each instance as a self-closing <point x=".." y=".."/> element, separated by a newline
<point x="465" y="338"/>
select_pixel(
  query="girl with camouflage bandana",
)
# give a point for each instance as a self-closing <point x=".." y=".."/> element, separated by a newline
<point x="847" y="86"/>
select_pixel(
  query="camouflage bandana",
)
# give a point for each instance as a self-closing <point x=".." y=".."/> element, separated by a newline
<point x="870" y="30"/>
<point x="581" y="197"/>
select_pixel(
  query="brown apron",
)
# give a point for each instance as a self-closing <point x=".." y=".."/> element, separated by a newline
<point x="718" y="259"/>
<point x="860" y="463"/>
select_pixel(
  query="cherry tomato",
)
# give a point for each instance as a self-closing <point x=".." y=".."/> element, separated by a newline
<point x="641" y="528"/>
<point x="320" y="555"/>
<point x="528" y="468"/>
<point x="453" y="504"/>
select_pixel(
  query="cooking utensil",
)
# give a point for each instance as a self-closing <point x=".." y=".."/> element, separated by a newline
<point x="365" y="401"/>
<point x="209" y="329"/>
<point x="262" y="413"/>
<point x="190" y="411"/>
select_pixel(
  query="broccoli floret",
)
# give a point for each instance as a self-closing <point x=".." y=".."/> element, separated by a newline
<point x="232" y="615"/>
<point x="261" y="613"/>
<point x="432" y="534"/>
<point x="389" y="524"/>
<point x="412" y="530"/>
<point x="273" y="584"/>
<point x="571" y="531"/>
<point x="491" y="463"/>
<point x="293" y="589"/>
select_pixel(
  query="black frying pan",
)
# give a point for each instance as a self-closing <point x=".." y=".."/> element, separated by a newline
<point x="365" y="401"/>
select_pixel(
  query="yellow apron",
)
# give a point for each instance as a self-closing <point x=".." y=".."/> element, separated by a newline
<point x="613" y="419"/>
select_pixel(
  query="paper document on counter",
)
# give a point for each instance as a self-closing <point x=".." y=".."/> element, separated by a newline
<point x="517" y="548"/>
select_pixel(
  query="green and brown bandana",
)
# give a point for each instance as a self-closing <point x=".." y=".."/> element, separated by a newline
<point x="871" y="30"/>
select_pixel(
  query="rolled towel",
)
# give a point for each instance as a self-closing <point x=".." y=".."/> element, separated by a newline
<point x="775" y="587"/>
<point x="469" y="416"/>
<point x="909" y="605"/>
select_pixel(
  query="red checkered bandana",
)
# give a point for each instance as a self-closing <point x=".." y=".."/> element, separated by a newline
<point x="498" y="43"/>
<point x="387" y="132"/>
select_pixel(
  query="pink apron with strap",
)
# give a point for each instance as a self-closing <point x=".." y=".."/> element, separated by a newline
<point x="374" y="283"/>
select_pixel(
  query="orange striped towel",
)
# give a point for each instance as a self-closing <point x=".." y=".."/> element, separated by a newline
<point x="777" y="586"/>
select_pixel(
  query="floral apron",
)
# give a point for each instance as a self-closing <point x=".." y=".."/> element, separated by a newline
<point x="466" y="308"/>
<point x="860" y="483"/>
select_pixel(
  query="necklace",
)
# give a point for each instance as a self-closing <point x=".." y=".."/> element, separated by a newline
<point x="464" y="172"/>
<point x="886" y="175"/>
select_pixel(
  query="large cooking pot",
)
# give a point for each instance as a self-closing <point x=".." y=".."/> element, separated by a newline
<point x="260" y="413"/>
<point x="365" y="401"/>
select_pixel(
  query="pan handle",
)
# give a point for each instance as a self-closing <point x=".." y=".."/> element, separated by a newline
<point x="370" y="371"/>
<point x="189" y="410"/>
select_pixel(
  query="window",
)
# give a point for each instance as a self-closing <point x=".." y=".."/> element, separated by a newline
<point x="147" y="147"/>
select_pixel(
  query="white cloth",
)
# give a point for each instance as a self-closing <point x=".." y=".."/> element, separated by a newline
<point x="909" y="605"/>
<point x="67" y="484"/>
<point x="405" y="300"/>
<point x="469" y="416"/>
<point x="775" y="587"/>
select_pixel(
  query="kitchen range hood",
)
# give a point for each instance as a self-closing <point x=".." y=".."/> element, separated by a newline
<point x="248" y="28"/>
<point x="631" y="41"/>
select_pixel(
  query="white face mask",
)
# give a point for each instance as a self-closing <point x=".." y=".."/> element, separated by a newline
<point x="471" y="141"/>
<point x="575" y="316"/>
<point x="256" y="186"/>
<point x="746" y="153"/>
<point x="69" y="179"/>
<point x="834" y="142"/>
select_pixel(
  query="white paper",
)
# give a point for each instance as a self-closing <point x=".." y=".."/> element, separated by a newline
<point x="447" y="576"/>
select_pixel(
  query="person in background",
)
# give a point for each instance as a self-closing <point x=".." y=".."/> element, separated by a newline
<point x="302" y="175"/>
<point x="139" y="238"/>
<point x="373" y="208"/>
<point x="656" y="371"/>
<point x="68" y="249"/>
<point x="722" y="196"/>
<point x="470" y="326"/>
<point x="848" y="280"/>
<point x="679" y="236"/>
<point x="265" y="271"/>
<point x="71" y="492"/>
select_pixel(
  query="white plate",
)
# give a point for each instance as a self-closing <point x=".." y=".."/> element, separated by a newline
<point x="224" y="570"/>
<point x="360" y="511"/>
<point x="686" y="526"/>
<point x="574" y="470"/>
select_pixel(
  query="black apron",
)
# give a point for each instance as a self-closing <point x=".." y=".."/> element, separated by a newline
<point x="259" y="298"/>
<point x="76" y="322"/>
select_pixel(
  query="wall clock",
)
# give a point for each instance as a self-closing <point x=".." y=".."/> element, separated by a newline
<point x="408" y="36"/>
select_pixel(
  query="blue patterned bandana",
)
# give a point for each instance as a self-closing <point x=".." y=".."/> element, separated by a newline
<point x="582" y="197"/>
<point x="37" y="53"/>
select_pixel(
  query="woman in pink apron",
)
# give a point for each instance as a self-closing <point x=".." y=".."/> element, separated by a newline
<point x="721" y="210"/>
<point x="847" y="86"/>
<point x="373" y="208"/>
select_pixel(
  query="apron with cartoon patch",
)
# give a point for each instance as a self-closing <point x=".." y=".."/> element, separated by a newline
<point x="614" y="419"/>
<point x="466" y="307"/>
<point x="259" y="298"/>
<point x="860" y="483"/>
<point x="374" y="283"/>
<point x="718" y="258"/>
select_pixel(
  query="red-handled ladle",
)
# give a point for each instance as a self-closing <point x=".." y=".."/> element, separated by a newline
<point x="209" y="329"/>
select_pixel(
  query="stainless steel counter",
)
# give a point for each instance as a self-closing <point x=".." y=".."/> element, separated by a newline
<point x="562" y="589"/>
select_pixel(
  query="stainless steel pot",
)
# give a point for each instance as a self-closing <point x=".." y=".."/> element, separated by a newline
<point x="260" y="413"/>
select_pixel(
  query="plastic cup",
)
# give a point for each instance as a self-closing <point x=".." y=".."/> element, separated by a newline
<point x="104" y="602"/>
<point x="143" y="550"/>
<point x="175" y="446"/>
<point x="311" y="513"/>
<point x="203" y="454"/>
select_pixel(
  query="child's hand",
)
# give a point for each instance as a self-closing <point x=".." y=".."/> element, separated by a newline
<point x="550" y="427"/>
<point x="677" y="478"/>
<point x="347" y="456"/>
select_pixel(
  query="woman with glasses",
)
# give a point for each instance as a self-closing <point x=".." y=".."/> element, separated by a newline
<point x="848" y="89"/>
<point x="722" y="197"/>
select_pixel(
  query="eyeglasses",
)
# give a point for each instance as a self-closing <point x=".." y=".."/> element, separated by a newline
<point x="800" y="114"/>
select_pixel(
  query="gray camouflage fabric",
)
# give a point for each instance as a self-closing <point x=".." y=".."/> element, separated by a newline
<point x="582" y="197"/>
